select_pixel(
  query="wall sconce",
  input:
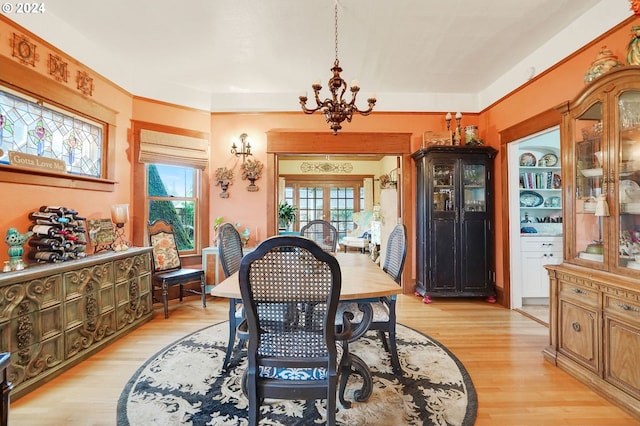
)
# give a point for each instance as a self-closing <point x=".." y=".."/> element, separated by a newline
<point x="119" y="216"/>
<point x="245" y="150"/>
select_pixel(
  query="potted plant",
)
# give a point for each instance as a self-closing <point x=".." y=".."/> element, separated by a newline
<point x="286" y="214"/>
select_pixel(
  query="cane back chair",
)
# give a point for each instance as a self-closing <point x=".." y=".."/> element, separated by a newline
<point x="290" y="291"/>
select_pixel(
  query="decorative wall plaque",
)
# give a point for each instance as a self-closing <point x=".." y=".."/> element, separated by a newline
<point x="326" y="167"/>
<point x="24" y="50"/>
<point x="85" y="83"/>
<point x="58" y="68"/>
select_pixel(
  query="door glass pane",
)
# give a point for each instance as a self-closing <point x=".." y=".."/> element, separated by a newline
<point x="443" y="186"/>
<point x="629" y="177"/>
<point x="473" y="183"/>
<point x="342" y="203"/>
<point x="589" y="184"/>
<point x="310" y="201"/>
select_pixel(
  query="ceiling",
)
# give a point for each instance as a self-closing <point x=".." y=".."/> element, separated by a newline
<point x="260" y="55"/>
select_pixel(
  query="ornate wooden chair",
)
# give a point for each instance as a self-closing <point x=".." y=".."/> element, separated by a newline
<point x="5" y="387"/>
<point x="167" y="268"/>
<point x="323" y="233"/>
<point x="290" y="290"/>
<point x="230" y="252"/>
<point x="384" y="309"/>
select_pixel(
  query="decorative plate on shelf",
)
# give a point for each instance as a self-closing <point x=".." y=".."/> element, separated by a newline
<point x="527" y="159"/>
<point x="554" y="201"/>
<point x="548" y="160"/>
<point x="530" y="199"/>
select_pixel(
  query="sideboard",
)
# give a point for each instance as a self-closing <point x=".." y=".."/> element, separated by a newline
<point x="52" y="316"/>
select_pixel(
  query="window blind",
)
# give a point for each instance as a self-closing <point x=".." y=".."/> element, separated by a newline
<point x="173" y="149"/>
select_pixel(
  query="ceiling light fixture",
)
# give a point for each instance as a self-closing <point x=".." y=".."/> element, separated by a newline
<point x="336" y="109"/>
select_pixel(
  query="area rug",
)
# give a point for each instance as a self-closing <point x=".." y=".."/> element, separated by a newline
<point x="183" y="385"/>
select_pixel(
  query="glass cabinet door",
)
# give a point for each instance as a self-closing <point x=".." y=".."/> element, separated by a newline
<point x="590" y="169"/>
<point x="628" y="167"/>
<point x="443" y="186"/>
<point x="473" y="186"/>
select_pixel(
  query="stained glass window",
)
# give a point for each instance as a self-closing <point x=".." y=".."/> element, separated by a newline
<point x="31" y="128"/>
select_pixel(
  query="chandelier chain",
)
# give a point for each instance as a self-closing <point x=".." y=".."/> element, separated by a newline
<point x="336" y="27"/>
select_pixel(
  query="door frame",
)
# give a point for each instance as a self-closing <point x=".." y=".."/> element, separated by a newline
<point x="287" y="142"/>
<point x="545" y="120"/>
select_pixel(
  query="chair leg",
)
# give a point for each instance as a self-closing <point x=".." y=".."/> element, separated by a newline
<point x="165" y="299"/>
<point x="232" y="333"/>
<point x="395" y="361"/>
<point x="181" y="292"/>
<point x="331" y="401"/>
<point x="203" y="290"/>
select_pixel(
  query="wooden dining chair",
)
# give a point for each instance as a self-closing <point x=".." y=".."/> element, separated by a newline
<point x="323" y="233"/>
<point x="230" y="252"/>
<point x="384" y="308"/>
<point x="293" y="350"/>
<point x="167" y="267"/>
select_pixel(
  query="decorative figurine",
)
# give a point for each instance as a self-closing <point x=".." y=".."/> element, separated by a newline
<point x="15" y="240"/>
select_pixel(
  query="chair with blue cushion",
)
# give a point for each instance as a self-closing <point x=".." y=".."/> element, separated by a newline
<point x="230" y="252"/>
<point x="290" y="290"/>
<point x="384" y="309"/>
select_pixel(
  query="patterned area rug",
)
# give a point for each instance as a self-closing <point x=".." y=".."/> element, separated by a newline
<point x="183" y="385"/>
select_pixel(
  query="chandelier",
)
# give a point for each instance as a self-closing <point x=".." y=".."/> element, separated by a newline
<point x="336" y="109"/>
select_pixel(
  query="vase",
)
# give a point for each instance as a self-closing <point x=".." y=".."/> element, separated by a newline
<point x="252" y="185"/>
<point x="605" y="61"/>
<point x="633" y="51"/>
<point x="224" y="186"/>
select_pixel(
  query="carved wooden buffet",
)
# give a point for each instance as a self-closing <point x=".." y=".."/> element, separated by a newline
<point x="595" y="293"/>
<point x="53" y="316"/>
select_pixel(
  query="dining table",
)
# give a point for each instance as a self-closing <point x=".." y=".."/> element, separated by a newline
<point x="363" y="281"/>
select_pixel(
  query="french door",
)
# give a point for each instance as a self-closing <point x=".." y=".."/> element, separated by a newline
<point x="333" y="200"/>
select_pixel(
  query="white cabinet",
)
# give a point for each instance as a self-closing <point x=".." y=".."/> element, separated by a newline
<point x="535" y="253"/>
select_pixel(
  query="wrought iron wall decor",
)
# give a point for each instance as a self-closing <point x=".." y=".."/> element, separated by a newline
<point x="325" y="167"/>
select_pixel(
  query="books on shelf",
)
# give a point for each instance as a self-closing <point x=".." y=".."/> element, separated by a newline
<point x="538" y="180"/>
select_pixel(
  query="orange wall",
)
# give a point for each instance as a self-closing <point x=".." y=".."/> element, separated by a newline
<point x="547" y="91"/>
<point x="247" y="208"/>
<point x="19" y="200"/>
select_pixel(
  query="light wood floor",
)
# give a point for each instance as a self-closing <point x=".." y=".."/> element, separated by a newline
<point x="500" y="348"/>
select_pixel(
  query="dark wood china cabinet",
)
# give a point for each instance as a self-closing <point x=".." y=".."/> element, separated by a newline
<point x="454" y="221"/>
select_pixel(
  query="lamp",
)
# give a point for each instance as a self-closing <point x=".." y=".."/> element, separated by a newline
<point x="336" y="109"/>
<point x="119" y="216"/>
<point x="246" y="147"/>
